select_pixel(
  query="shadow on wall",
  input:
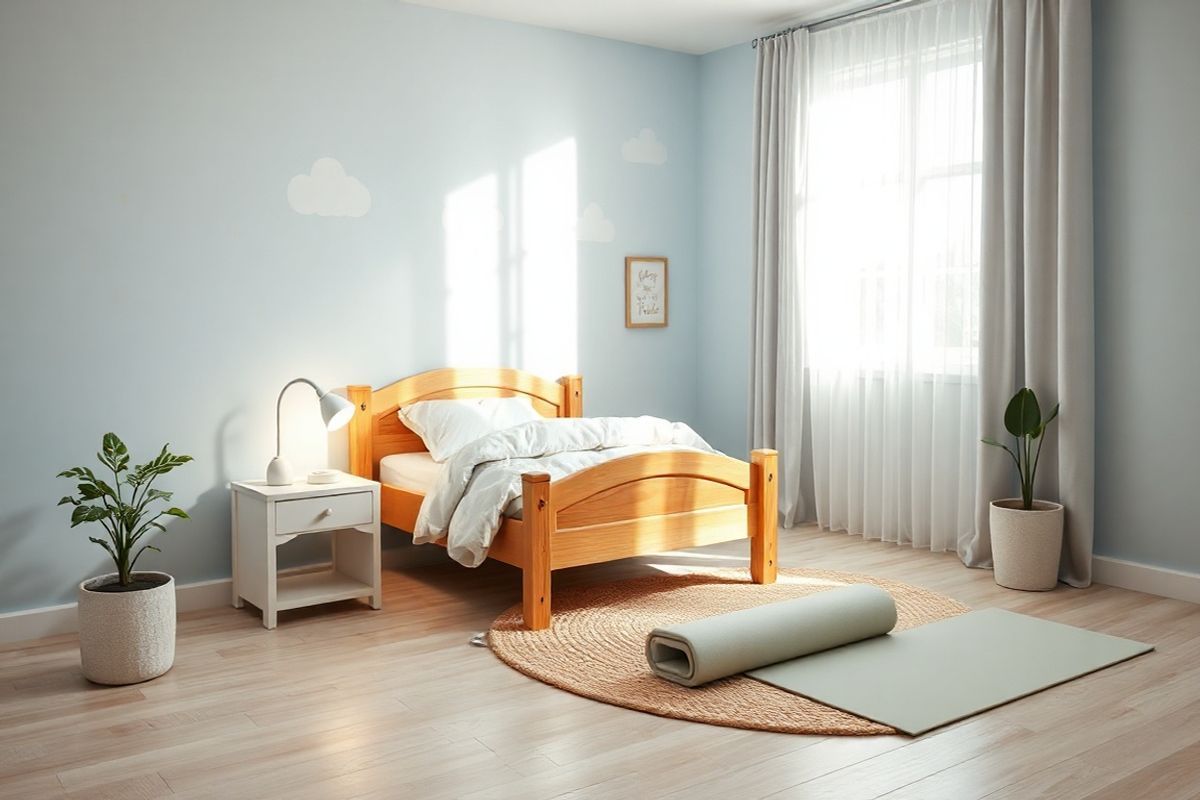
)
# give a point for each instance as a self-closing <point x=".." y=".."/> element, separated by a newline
<point x="18" y="527"/>
<point x="187" y="541"/>
<point x="209" y="527"/>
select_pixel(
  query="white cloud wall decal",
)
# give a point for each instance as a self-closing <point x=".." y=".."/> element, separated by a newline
<point x="645" y="148"/>
<point x="328" y="191"/>
<point x="593" y="227"/>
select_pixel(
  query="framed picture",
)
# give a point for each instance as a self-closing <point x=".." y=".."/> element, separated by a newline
<point x="645" y="292"/>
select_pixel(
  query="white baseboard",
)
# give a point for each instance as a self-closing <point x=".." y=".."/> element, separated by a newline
<point x="38" y="623"/>
<point x="1160" y="581"/>
<point x="34" y="623"/>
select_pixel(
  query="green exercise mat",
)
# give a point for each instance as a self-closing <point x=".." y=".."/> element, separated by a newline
<point x="926" y="677"/>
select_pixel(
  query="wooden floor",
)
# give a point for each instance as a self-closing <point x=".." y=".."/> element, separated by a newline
<point x="348" y="702"/>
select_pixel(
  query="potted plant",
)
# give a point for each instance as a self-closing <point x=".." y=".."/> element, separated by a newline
<point x="126" y="618"/>
<point x="1026" y="533"/>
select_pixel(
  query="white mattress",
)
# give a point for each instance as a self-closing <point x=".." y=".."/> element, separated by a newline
<point x="414" y="472"/>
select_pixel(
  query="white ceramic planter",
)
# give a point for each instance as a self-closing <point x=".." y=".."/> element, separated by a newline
<point x="126" y="637"/>
<point x="1026" y="545"/>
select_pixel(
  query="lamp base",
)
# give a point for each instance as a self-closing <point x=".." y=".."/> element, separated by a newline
<point x="279" y="472"/>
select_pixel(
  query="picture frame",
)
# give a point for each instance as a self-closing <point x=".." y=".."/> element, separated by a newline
<point x="647" y="295"/>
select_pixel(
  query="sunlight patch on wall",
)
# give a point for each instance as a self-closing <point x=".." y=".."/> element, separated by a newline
<point x="472" y="223"/>
<point x="548" y="280"/>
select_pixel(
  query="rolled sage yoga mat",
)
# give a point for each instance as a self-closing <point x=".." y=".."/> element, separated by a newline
<point x="929" y="676"/>
<point x="693" y="653"/>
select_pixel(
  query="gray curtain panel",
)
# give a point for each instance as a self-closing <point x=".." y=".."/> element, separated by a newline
<point x="1036" y="282"/>
<point x="776" y="360"/>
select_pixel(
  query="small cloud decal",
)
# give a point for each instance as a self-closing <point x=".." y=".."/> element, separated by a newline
<point x="328" y="191"/>
<point x="593" y="226"/>
<point x="645" y="148"/>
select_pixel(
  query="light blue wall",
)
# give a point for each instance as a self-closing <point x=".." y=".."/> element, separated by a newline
<point x="726" y="156"/>
<point x="1147" y="169"/>
<point x="156" y="282"/>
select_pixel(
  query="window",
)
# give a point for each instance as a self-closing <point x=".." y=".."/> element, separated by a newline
<point x="889" y="191"/>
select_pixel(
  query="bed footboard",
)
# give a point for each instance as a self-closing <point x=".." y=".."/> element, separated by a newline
<point x="642" y="504"/>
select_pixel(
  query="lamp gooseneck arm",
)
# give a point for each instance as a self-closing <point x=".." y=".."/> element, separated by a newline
<point x="279" y="405"/>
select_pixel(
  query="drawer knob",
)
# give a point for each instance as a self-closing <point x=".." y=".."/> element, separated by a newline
<point x="327" y="512"/>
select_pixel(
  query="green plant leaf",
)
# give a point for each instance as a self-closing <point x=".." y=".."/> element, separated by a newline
<point x="1046" y="422"/>
<point x="124" y="518"/>
<point x="138" y="554"/>
<point x="1022" y="417"/>
<point x="84" y="513"/>
<point x="103" y="544"/>
<point x="94" y="490"/>
<point x="161" y="464"/>
<point x="113" y="453"/>
<point x="1049" y="419"/>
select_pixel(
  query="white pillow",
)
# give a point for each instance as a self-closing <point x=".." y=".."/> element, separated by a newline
<point x="446" y="426"/>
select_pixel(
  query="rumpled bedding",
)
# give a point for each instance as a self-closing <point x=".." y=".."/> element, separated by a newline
<point x="481" y="483"/>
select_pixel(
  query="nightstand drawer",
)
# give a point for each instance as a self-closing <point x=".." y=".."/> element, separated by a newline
<point x="319" y="513"/>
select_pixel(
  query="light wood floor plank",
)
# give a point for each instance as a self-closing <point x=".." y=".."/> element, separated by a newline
<point x="1170" y="778"/>
<point x="342" y="701"/>
<point x="1113" y="760"/>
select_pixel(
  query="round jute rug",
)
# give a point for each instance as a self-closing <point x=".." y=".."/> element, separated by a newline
<point x="595" y="646"/>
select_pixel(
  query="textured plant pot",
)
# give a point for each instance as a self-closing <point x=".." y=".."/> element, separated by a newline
<point x="1026" y="545"/>
<point x="126" y="637"/>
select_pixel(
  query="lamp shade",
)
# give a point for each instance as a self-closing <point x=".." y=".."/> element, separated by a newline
<point x="335" y="410"/>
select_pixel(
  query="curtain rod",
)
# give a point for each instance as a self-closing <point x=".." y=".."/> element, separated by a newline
<point x="839" y="19"/>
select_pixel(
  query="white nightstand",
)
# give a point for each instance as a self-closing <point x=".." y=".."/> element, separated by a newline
<point x="265" y="517"/>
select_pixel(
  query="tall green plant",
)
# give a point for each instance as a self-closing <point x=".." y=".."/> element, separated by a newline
<point x="123" y="508"/>
<point x="1023" y="419"/>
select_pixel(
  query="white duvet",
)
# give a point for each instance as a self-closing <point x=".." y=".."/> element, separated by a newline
<point x="482" y="481"/>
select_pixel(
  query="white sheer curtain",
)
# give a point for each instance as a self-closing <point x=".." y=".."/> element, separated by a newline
<point x="888" y="193"/>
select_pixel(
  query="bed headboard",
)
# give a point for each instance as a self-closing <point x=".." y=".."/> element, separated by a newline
<point x="376" y="430"/>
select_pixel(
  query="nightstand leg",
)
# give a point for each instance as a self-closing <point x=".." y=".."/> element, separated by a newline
<point x="269" y="619"/>
<point x="376" y="568"/>
<point x="233" y="506"/>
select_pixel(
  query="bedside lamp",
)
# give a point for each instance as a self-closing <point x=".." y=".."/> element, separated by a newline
<point x="335" y="410"/>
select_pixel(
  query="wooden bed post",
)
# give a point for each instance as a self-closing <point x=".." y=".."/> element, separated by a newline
<point x="764" y="515"/>
<point x="362" y="462"/>
<point x="572" y="396"/>
<point x="536" y="521"/>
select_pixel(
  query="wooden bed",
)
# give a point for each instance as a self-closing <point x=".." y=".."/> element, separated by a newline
<point x="631" y="506"/>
